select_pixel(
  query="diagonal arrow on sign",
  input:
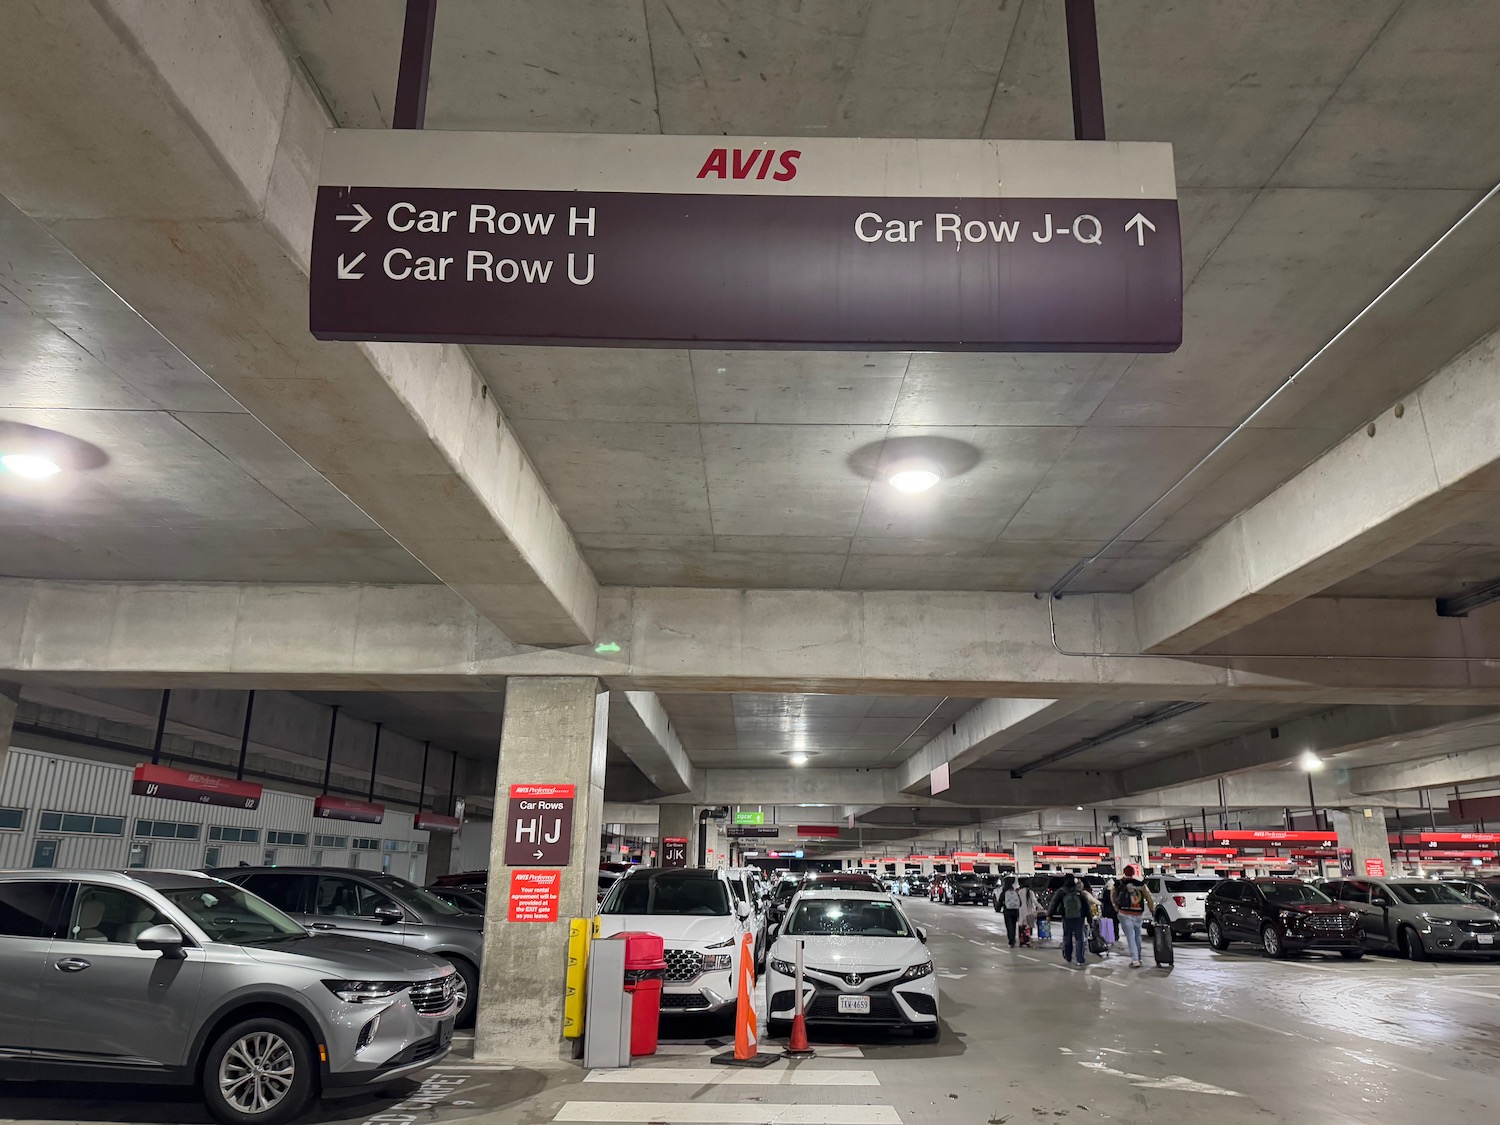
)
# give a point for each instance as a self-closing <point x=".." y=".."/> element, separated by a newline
<point x="346" y="269"/>
<point x="1140" y="224"/>
<point x="359" y="218"/>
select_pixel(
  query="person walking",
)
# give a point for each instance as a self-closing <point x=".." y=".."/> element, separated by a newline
<point x="1075" y="906"/>
<point x="1107" y="912"/>
<point x="1132" y="901"/>
<point x="1008" y="902"/>
<point x="1030" y="911"/>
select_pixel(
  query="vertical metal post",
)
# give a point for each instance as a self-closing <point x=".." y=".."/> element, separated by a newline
<point x="422" y="786"/>
<point x="1312" y="801"/>
<point x="416" y="65"/>
<point x="453" y="786"/>
<point x="161" y="726"/>
<point x="1083" y="70"/>
<point x="333" y="726"/>
<point x="374" y="761"/>
<point x="239" y="773"/>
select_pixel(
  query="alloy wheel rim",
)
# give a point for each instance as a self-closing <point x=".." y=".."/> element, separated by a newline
<point x="460" y="990"/>
<point x="257" y="1072"/>
<point x="1273" y="942"/>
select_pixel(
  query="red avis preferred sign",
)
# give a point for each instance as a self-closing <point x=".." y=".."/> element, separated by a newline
<point x="534" y="895"/>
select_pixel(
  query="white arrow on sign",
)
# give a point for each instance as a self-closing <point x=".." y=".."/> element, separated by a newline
<point x="537" y="854"/>
<point x="346" y="269"/>
<point x="1140" y="224"/>
<point x="359" y="219"/>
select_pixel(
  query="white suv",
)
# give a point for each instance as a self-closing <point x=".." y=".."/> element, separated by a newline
<point x="1180" y="901"/>
<point x="696" y="912"/>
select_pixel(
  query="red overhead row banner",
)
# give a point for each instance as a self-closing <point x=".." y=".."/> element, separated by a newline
<point x="197" y="788"/>
<point x="818" y="830"/>
<point x="342" y="808"/>
<point x="1273" y="836"/>
<point x="1060" y="849"/>
<point x="436" y="822"/>
<point x="1204" y="852"/>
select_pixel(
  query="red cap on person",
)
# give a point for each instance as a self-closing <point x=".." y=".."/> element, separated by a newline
<point x="1130" y="871"/>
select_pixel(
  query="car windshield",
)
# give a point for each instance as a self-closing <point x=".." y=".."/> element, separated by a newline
<point x="786" y="889"/>
<point x="1427" y="894"/>
<point x="1191" y="886"/>
<point x="418" y="898"/>
<point x="738" y="887"/>
<point x="847" y="918"/>
<point x="667" y="893"/>
<point x="232" y="914"/>
<point x="967" y="880"/>
<point x="1290" y="894"/>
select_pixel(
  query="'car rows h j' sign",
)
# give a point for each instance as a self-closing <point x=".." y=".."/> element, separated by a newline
<point x="535" y="238"/>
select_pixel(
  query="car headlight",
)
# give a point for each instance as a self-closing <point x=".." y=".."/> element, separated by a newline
<point x="785" y="968"/>
<point x="365" y="991"/>
<point x="715" y="961"/>
<point x="1289" y="916"/>
<point x="1437" y="921"/>
<point x="922" y="970"/>
<point x="727" y="943"/>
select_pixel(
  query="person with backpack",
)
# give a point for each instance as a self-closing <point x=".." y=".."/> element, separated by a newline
<point x="1132" y="901"/>
<point x="1075" y="906"/>
<point x="1008" y="902"/>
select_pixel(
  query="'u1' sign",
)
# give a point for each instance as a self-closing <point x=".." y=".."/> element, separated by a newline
<point x="822" y="243"/>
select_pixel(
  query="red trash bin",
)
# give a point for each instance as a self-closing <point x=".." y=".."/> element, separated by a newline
<point x="645" y="968"/>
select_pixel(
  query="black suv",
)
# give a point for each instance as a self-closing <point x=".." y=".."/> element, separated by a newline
<point x="1283" y="917"/>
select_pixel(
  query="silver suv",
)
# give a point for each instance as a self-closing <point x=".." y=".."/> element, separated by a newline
<point x="371" y="904"/>
<point x="176" y="977"/>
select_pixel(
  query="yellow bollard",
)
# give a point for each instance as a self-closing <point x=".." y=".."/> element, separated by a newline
<point x="578" y="964"/>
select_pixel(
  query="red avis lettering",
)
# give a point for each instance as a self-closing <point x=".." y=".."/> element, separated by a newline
<point x="755" y="163"/>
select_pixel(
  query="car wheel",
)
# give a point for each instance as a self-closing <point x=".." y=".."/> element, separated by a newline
<point x="1216" y="938"/>
<point x="468" y="990"/>
<point x="258" y="1072"/>
<point x="1351" y="954"/>
<point x="1411" y="944"/>
<point x="1270" y="940"/>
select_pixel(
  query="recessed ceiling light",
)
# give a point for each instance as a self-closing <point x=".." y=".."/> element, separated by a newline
<point x="1310" y="761"/>
<point x="30" y="465"/>
<point x="914" y="476"/>
<point x="797" y="759"/>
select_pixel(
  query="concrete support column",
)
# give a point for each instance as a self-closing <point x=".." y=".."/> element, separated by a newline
<point x="10" y="696"/>
<point x="442" y="853"/>
<point x="1025" y="859"/>
<point x="678" y="821"/>
<point x="1363" y="832"/>
<point x="554" y="731"/>
<point x="1128" y="851"/>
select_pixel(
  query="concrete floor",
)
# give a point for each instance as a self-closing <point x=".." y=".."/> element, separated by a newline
<point x="1228" y="1037"/>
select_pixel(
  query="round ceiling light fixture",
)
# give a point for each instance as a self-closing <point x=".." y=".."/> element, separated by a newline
<point x="796" y="757"/>
<point x="914" y="476"/>
<point x="30" y="466"/>
<point x="1310" y="761"/>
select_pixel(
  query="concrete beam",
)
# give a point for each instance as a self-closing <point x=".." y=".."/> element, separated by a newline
<point x="966" y="645"/>
<point x="1432" y="773"/>
<point x="206" y="232"/>
<point x="995" y="789"/>
<point x="1429" y="462"/>
<point x="639" y="726"/>
<point x="990" y="725"/>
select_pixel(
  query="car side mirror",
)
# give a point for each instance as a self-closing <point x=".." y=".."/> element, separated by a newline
<point x="742" y="909"/>
<point x="1379" y="900"/>
<point x="921" y="935"/>
<point x="165" y="939"/>
<point x="389" y="915"/>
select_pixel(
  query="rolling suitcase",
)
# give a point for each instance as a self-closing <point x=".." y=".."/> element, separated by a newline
<point x="1161" y="944"/>
<point x="1097" y="944"/>
<point x="1107" y="930"/>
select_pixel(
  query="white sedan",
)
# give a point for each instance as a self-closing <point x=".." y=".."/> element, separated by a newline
<point x="864" y="965"/>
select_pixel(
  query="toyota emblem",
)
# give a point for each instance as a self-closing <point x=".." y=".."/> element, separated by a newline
<point x="854" y="978"/>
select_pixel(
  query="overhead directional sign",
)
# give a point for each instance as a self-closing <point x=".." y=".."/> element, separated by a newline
<point x="199" y="788"/>
<point x="539" y="825"/>
<point x="667" y="241"/>
<point x="674" y="851"/>
<point x="742" y="831"/>
<point x="749" y="816"/>
<point x="343" y="808"/>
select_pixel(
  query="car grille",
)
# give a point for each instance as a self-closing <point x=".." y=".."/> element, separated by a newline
<point x="825" y="1006"/>
<point x="434" y="996"/>
<point x="1326" y="923"/>
<point x="682" y="1001"/>
<point x="1479" y="926"/>
<point x="683" y="965"/>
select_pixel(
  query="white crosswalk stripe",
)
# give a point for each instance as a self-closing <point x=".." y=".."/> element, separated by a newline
<point x="725" y="1076"/>
<point x="718" y="1113"/>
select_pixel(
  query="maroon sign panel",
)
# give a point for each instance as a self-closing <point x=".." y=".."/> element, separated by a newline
<point x="342" y="808"/>
<point x="199" y="788"/>
<point x="674" y="851"/>
<point x="436" y="822"/>
<point x="539" y="825"/>
<point x="682" y="241"/>
<point x="769" y="831"/>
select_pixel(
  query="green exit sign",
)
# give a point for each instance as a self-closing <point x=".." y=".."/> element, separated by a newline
<point x="749" y="818"/>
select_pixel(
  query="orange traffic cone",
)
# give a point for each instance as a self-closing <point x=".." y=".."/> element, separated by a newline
<point x="799" y="1048"/>
<point x="746" y="1038"/>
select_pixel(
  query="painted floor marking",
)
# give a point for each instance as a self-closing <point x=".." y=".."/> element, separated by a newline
<point x="728" y="1076"/>
<point x="719" y="1113"/>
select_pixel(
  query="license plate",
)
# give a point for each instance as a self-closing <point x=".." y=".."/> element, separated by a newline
<point x="1486" y="939"/>
<point x="445" y="1033"/>
<point x="854" y="1005"/>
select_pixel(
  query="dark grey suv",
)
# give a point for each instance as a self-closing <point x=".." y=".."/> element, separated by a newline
<point x="178" y="978"/>
<point x="370" y="904"/>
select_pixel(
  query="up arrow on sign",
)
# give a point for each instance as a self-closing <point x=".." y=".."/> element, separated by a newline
<point x="1140" y="224"/>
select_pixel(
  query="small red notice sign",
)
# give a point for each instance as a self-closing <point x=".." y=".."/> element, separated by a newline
<point x="534" y="895"/>
<point x="1375" y="868"/>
